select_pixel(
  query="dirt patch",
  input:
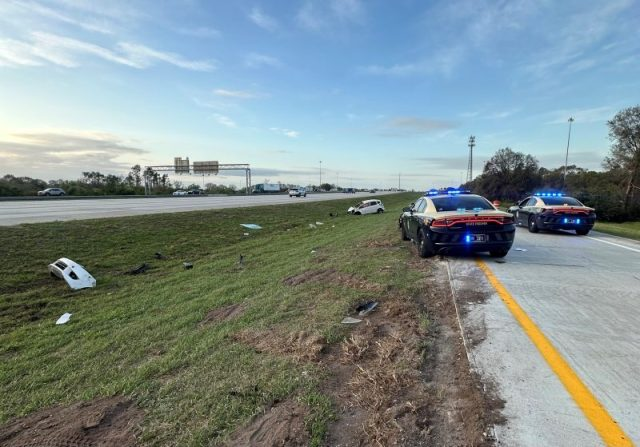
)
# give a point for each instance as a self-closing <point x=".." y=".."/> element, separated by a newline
<point x="106" y="422"/>
<point x="334" y="277"/>
<point x="301" y="346"/>
<point x="222" y="314"/>
<point x="280" y="425"/>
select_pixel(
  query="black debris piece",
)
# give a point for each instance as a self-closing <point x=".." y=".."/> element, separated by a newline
<point x="500" y="261"/>
<point x="140" y="269"/>
<point x="366" y="307"/>
<point x="241" y="260"/>
<point x="187" y="265"/>
<point x="159" y="255"/>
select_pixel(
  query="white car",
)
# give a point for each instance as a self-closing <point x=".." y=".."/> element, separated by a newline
<point x="298" y="192"/>
<point x="180" y="192"/>
<point x="52" y="192"/>
<point x="367" y="207"/>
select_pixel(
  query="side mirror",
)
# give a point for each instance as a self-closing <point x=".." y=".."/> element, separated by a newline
<point x="406" y="209"/>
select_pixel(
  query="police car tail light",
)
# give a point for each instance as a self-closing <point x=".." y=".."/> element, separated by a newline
<point x="439" y="223"/>
<point x="507" y="220"/>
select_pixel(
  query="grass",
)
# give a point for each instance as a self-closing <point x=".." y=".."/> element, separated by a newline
<point x="629" y="230"/>
<point x="140" y="335"/>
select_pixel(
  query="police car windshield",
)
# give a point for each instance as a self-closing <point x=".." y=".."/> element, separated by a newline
<point x="461" y="203"/>
<point x="561" y="201"/>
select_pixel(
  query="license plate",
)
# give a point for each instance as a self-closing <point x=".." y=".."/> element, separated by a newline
<point x="570" y="221"/>
<point x="477" y="238"/>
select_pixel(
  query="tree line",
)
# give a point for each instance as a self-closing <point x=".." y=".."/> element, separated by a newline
<point x="614" y="193"/>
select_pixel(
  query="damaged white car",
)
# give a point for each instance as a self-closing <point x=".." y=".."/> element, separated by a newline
<point x="373" y="206"/>
<point x="73" y="273"/>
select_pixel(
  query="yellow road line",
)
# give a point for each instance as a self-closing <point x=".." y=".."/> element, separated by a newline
<point x="607" y="428"/>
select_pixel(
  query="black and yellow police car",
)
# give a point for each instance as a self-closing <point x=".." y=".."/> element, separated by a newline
<point x="553" y="211"/>
<point x="444" y="221"/>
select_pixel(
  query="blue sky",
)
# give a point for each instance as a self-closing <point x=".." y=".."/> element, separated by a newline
<point x="371" y="89"/>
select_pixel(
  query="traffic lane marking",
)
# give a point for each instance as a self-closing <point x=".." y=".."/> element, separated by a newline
<point x="610" y="432"/>
<point x="613" y="243"/>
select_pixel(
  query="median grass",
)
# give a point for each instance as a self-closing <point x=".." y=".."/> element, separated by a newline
<point x="143" y="336"/>
<point x="629" y="230"/>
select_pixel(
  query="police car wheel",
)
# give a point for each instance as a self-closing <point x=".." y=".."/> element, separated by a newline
<point x="499" y="253"/>
<point x="582" y="232"/>
<point x="533" y="227"/>
<point x="425" y="247"/>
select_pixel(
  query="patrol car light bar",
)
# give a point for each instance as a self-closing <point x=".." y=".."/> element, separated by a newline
<point x="548" y="194"/>
<point x="444" y="191"/>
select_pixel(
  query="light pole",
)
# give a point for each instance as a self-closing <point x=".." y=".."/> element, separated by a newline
<point x="566" y="158"/>
<point x="320" y="185"/>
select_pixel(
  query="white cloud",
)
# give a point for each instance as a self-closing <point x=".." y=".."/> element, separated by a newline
<point x="65" y="51"/>
<point x="591" y="115"/>
<point x="255" y="60"/>
<point x="263" y="20"/>
<point x="443" y="62"/>
<point x="67" y="152"/>
<point x="414" y="125"/>
<point x="239" y="94"/>
<point x="327" y="15"/>
<point x="224" y="120"/>
<point x="348" y="10"/>
<point x="309" y="18"/>
<point x="286" y="132"/>
<point x="86" y="24"/>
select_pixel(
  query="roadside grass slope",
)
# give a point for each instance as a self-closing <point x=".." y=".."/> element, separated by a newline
<point x="142" y="336"/>
<point x="629" y="230"/>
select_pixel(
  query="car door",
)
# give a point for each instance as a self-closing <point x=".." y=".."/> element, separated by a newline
<point x="518" y="211"/>
<point x="368" y="208"/>
<point x="526" y="210"/>
<point x="414" y="224"/>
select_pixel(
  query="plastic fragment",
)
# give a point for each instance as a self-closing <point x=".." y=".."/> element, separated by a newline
<point x="187" y="265"/>
<point x="319" y="223"/>
<point x="159" y="255"/>
<point x="520" y="249"/>
<point x="140" y="269"/>
<point x="252" y="226"/>
<point x="349" y="320"/>
<point x="364" y="308"/>
<point x="312" y="226"/>
<point x="64" y="318"/>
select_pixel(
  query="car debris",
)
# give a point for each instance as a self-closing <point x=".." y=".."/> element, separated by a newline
<point x="140" y="269"/>
<point x="312" y="226"/>
<point x="350" y="320"/>
<point x="241" y="260"/>
<point x="319" y="223"/>
<point x="365" y="308"/>
<point x="252" y="226"/>
<point x="187" y="265"/>
<point x="520" y="249"/>
<point x="73" y="273"/>
<point x="245" y="234"/>
<point x="159" y="255"/>
<point x="64" y="318"/>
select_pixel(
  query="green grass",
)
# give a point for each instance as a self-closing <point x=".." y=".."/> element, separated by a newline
<point x="139" y="335"/>
<point x="629" y="230"/>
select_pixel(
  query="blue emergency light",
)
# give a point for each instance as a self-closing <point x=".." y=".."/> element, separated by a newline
<point x="445" y="191"/>
<point x="548" y="194"/>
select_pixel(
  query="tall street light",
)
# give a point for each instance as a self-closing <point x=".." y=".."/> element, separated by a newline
<point x="566" y="158"/>
<point x="320" y="185"/>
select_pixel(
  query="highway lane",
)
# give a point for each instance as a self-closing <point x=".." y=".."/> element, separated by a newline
<point x="18" y="212"/>
<point x="583" y="293"/>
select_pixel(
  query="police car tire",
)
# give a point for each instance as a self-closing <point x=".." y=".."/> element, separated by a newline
<point x="533" y="227"/>
<point x="425" y="247"/>
<point x="582" y="232"/>
<point x="499" y="253"/>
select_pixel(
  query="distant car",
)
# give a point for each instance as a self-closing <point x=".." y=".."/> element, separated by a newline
<point x="448" y="220"/>
<point x="349" y="191"/>
<point x="367" y="207"/>
<point x="196" y="192"/>
<point x="553" y="211"/>
<point x="180" y="192"/>
<point x="298" y="192"/>
<point x="52" y="192"/>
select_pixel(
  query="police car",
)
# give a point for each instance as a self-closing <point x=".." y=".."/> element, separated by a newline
<point x="553" y="211"/>
<point x="447" y="220"/>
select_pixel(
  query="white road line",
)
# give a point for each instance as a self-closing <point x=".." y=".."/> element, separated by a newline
<point x="613" y="243"/>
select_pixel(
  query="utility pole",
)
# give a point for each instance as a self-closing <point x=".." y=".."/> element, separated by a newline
<point x="566" y="157"/>
<point x="319" y="186"/>
<point x="398" y="181"/>
<point x="472" y="143"/>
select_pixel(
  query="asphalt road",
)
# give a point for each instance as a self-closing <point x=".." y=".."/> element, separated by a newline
<point x="583" y="293"/>
<point x="18" y="212"/>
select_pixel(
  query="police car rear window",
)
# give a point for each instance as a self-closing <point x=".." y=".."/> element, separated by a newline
<point x="561" y="201"/>
<point x="461" y="203"/>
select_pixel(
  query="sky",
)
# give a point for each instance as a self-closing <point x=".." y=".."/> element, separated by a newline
<point x="365" y="93"/>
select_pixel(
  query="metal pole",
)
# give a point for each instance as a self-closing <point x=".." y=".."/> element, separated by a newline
<point x="319" y="186"/>
<point x="398" y="181"/>
<point x="566" y="158"/>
